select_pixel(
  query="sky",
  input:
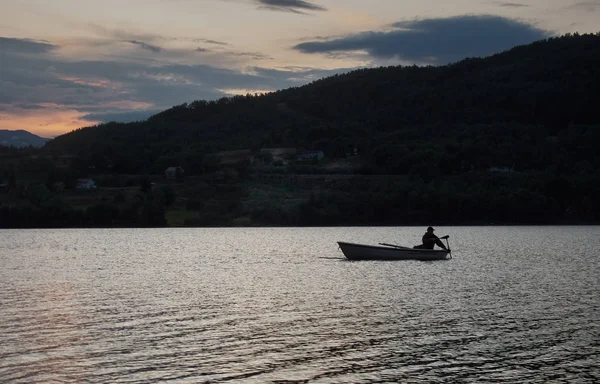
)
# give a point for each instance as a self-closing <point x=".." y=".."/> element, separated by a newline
<point x="67" y="64"/>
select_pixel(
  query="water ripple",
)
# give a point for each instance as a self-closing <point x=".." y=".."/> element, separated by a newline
<point x="124" y="306"/>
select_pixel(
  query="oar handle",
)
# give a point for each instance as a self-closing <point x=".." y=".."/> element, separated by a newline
<point x="390" y="245"/>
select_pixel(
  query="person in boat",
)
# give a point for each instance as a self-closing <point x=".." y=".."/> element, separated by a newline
<point x="430" y="240"/>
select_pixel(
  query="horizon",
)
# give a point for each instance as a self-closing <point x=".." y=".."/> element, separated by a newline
<point x="79" y="64"/>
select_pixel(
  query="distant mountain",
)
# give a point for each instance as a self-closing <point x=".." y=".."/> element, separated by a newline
<point x="20" y="139"/>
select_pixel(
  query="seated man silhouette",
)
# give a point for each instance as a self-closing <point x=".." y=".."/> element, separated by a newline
<point x="430" y="240"/>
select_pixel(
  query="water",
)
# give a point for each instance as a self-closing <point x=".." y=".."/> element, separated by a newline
<point x="265" y="305"/>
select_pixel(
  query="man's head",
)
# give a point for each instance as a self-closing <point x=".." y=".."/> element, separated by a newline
<point x="430" y="229"/>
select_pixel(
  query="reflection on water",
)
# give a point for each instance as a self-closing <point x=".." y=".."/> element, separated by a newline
<point x="515" y="304"/>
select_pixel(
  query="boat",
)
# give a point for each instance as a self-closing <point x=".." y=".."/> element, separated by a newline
<point x="354" y="251"/>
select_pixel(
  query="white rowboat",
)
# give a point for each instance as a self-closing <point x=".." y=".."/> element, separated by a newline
<point x="354" y="251"/>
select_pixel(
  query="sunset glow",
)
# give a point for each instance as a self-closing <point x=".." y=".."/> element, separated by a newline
<point x="49" y="122"/>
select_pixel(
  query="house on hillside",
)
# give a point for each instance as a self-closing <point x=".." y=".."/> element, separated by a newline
<point x="310" y="155"/>
<point x="85" y="184"/>
<point x="235" y="157"/>
<point x="501" y="169"/>
<point x="352" y="151"/>
<point x="174" y="173"/>
<point x="58" y="186"/>
<point x="281" y="155"/>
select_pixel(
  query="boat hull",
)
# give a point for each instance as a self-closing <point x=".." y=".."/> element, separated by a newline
<point x="354" y="251"/>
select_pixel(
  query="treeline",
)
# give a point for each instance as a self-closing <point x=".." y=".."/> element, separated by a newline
<point x="472" y="198"/>
<point x="101" y="215"/>
<point x="35" y="206"/>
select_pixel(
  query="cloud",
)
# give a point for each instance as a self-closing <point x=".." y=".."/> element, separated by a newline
<point x="253" y="55"/>
<point x="12" y="45"/>
<point x="434" y="41"/>
<point x="296" y="6"/>
<point x="208" y="41"/>
<point x="56" y="92"/>
<point x="122" y="117"/>
<point x="146" y="46"/>
<point x="510" y="5"/>
<point x="587" y="6"/>
<point x="122" y="34"/>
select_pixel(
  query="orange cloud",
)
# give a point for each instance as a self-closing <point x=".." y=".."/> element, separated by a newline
<point x="243" y="92"/>
<point x="128" y="105"/>
<point x="100" y="83"/>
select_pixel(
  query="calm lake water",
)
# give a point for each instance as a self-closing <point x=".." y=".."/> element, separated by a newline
<point x="267" y="305"/>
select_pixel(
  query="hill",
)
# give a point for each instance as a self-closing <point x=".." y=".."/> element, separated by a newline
<point x="20" y="139"/>
<point x="508" y="139"/>
<point x="495" y="111"/>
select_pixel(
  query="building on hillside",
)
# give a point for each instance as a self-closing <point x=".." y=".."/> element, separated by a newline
<point x="85" y="184"/>
<point x="58" y="186"/>
<point x="282" y="155"/>
<point x="235" y="157"/>
<point x="352" y="151"/>
<point x="311" y="155"/>
<point x="501" y="169"/>
<point x="174" y="173"/>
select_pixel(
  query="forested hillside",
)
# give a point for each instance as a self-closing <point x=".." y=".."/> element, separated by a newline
<point x="526" y="108"/>
<point x="511" y="138"/>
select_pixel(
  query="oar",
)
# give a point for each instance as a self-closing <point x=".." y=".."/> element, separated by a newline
<point x="447" y="244"/>
<point x="399" y="246"/>
<point x="393" y="245"/>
